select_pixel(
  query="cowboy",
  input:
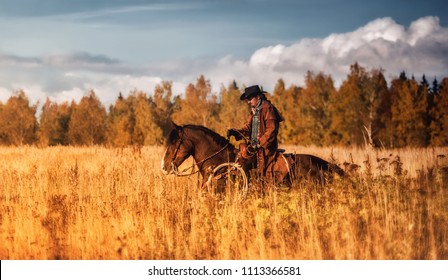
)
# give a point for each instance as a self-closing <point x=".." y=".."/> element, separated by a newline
<point x="262" y="128"/>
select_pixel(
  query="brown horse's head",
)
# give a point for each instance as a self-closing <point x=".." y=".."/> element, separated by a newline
<point x="177" y="150"/>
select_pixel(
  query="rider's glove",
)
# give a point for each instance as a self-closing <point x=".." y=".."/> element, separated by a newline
<point x="252" y="149"/>
<point x="234" y="133"/>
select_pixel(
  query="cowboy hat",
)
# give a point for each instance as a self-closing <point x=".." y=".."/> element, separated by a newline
<point x="251" y="91"/>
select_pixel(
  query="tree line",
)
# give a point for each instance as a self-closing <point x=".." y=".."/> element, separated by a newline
<point x="364" y="110"/>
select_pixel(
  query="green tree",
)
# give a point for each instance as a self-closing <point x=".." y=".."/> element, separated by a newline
<point x="18" y="123"/>
<point x="88" y="124"/>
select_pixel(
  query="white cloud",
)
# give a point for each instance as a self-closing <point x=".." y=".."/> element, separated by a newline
<point x="267" y="57"/>
<point x="79" y="59"/>
<point x="108" y="86"/>
<point x="423" y="28"/>
<point x="74" y="94"/>
<point x="36" y="97"/>
<point x="382" y="43"/>
<point x="4" y="94"/>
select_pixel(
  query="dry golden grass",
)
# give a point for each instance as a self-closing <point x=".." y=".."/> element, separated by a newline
<point x="98" y="203"/>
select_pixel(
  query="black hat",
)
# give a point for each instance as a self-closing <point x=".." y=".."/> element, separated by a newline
<point x="251" y="91"/>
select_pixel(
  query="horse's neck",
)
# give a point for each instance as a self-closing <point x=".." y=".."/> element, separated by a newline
<point x="203" y="149"/>
<point x="207" y="151"/>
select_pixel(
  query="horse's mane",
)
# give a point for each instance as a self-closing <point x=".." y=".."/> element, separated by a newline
<point x="215" y="136"/>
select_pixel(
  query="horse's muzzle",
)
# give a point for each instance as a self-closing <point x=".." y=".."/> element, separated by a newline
<point x="162" y="167"/>
<point x="172" y="170"/>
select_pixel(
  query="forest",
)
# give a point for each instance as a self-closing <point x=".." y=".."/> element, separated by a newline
<point x="364" y="111"/>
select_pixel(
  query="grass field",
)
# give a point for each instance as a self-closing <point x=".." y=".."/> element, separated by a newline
<point x="99" y="203"/>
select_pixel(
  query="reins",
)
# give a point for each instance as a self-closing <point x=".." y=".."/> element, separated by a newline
<point x="182" y="173"/>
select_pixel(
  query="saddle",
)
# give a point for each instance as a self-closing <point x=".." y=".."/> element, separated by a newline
<point x="278" y="167"/>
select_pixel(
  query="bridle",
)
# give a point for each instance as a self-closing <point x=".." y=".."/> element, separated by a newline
<point x="183" y="172"/>
<point x="173" y="166"/>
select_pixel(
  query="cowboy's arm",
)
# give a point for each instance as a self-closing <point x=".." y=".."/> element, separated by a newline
<point x="271" y="129"/>
<point x="246" y="129"/>
<point x="270" y="134"/>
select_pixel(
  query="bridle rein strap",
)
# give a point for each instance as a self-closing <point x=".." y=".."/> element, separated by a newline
<point x="183" y="172"/>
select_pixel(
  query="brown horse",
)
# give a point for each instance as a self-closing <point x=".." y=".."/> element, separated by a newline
<point x="209" y="150"/>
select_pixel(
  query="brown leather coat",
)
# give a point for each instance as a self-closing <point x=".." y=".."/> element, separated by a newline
<point x="269" y="122"/>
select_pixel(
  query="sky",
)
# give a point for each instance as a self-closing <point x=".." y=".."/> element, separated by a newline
<point x="61" y="49"/>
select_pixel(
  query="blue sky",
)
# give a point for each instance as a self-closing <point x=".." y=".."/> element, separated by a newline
<point x="63" y="48"/>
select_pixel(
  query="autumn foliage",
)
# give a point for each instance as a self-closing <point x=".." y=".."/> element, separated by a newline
<point x="363" y="111"/>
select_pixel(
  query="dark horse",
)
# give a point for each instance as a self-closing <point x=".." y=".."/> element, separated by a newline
<point x="209" y="150"/>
